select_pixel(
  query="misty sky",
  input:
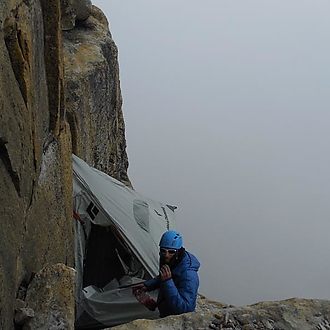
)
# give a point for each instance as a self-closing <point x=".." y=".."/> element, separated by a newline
<point x="226" y="105"/>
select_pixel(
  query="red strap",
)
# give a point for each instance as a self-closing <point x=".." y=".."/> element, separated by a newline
<point x="77" y="217"/>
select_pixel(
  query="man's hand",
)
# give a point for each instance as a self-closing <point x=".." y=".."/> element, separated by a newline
<point x="165" y="273"/>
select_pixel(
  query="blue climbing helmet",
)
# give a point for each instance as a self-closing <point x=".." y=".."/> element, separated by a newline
<point x="171" y="240"/>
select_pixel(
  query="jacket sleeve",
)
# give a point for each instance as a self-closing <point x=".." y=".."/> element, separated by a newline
<point x="153" y="283"/>
<point x="182" y="297"/>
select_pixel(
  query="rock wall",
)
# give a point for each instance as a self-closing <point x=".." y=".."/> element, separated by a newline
<point x="92" y="93"/>
<point x="59" y="93"/>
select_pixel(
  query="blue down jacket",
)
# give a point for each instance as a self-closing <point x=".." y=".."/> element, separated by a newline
<point x="178" y="294"/>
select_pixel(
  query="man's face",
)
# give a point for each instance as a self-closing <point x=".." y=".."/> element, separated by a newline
<point x="167" y="254"/>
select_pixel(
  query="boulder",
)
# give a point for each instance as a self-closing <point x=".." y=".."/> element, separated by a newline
<point x="50" y="296"/>
<point x="73" y="11"/>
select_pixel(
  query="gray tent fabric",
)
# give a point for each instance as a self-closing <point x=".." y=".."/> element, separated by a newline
<point x="111" y="306"/>
<point x="134" y="224"/>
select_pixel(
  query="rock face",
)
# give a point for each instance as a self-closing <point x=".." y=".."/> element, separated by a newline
<point x="35" y="149"/>
<point x="60" y="94"/>
<point x="92" y="94"/>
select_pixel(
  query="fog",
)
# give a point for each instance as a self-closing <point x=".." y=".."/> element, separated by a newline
<point x="226" y="105"/>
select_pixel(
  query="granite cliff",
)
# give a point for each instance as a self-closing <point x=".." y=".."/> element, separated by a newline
<point x="60" y="94"/>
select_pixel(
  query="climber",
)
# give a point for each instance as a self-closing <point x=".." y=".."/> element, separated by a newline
<point x="178" y="280"/>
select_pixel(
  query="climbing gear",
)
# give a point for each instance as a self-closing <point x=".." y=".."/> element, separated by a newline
<point x="171" y="240"/>
<point x="145" y="299"/>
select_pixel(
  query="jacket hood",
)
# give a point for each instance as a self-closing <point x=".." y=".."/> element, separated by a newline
<point x="189" y="261"/>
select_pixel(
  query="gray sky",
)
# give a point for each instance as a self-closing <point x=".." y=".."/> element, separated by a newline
<point x="226" y="105"/>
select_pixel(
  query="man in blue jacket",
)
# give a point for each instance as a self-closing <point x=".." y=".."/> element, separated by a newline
<point x="178" y="280"/>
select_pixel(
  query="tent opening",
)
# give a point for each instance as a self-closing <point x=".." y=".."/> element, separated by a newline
<point x="102" y="263"/>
